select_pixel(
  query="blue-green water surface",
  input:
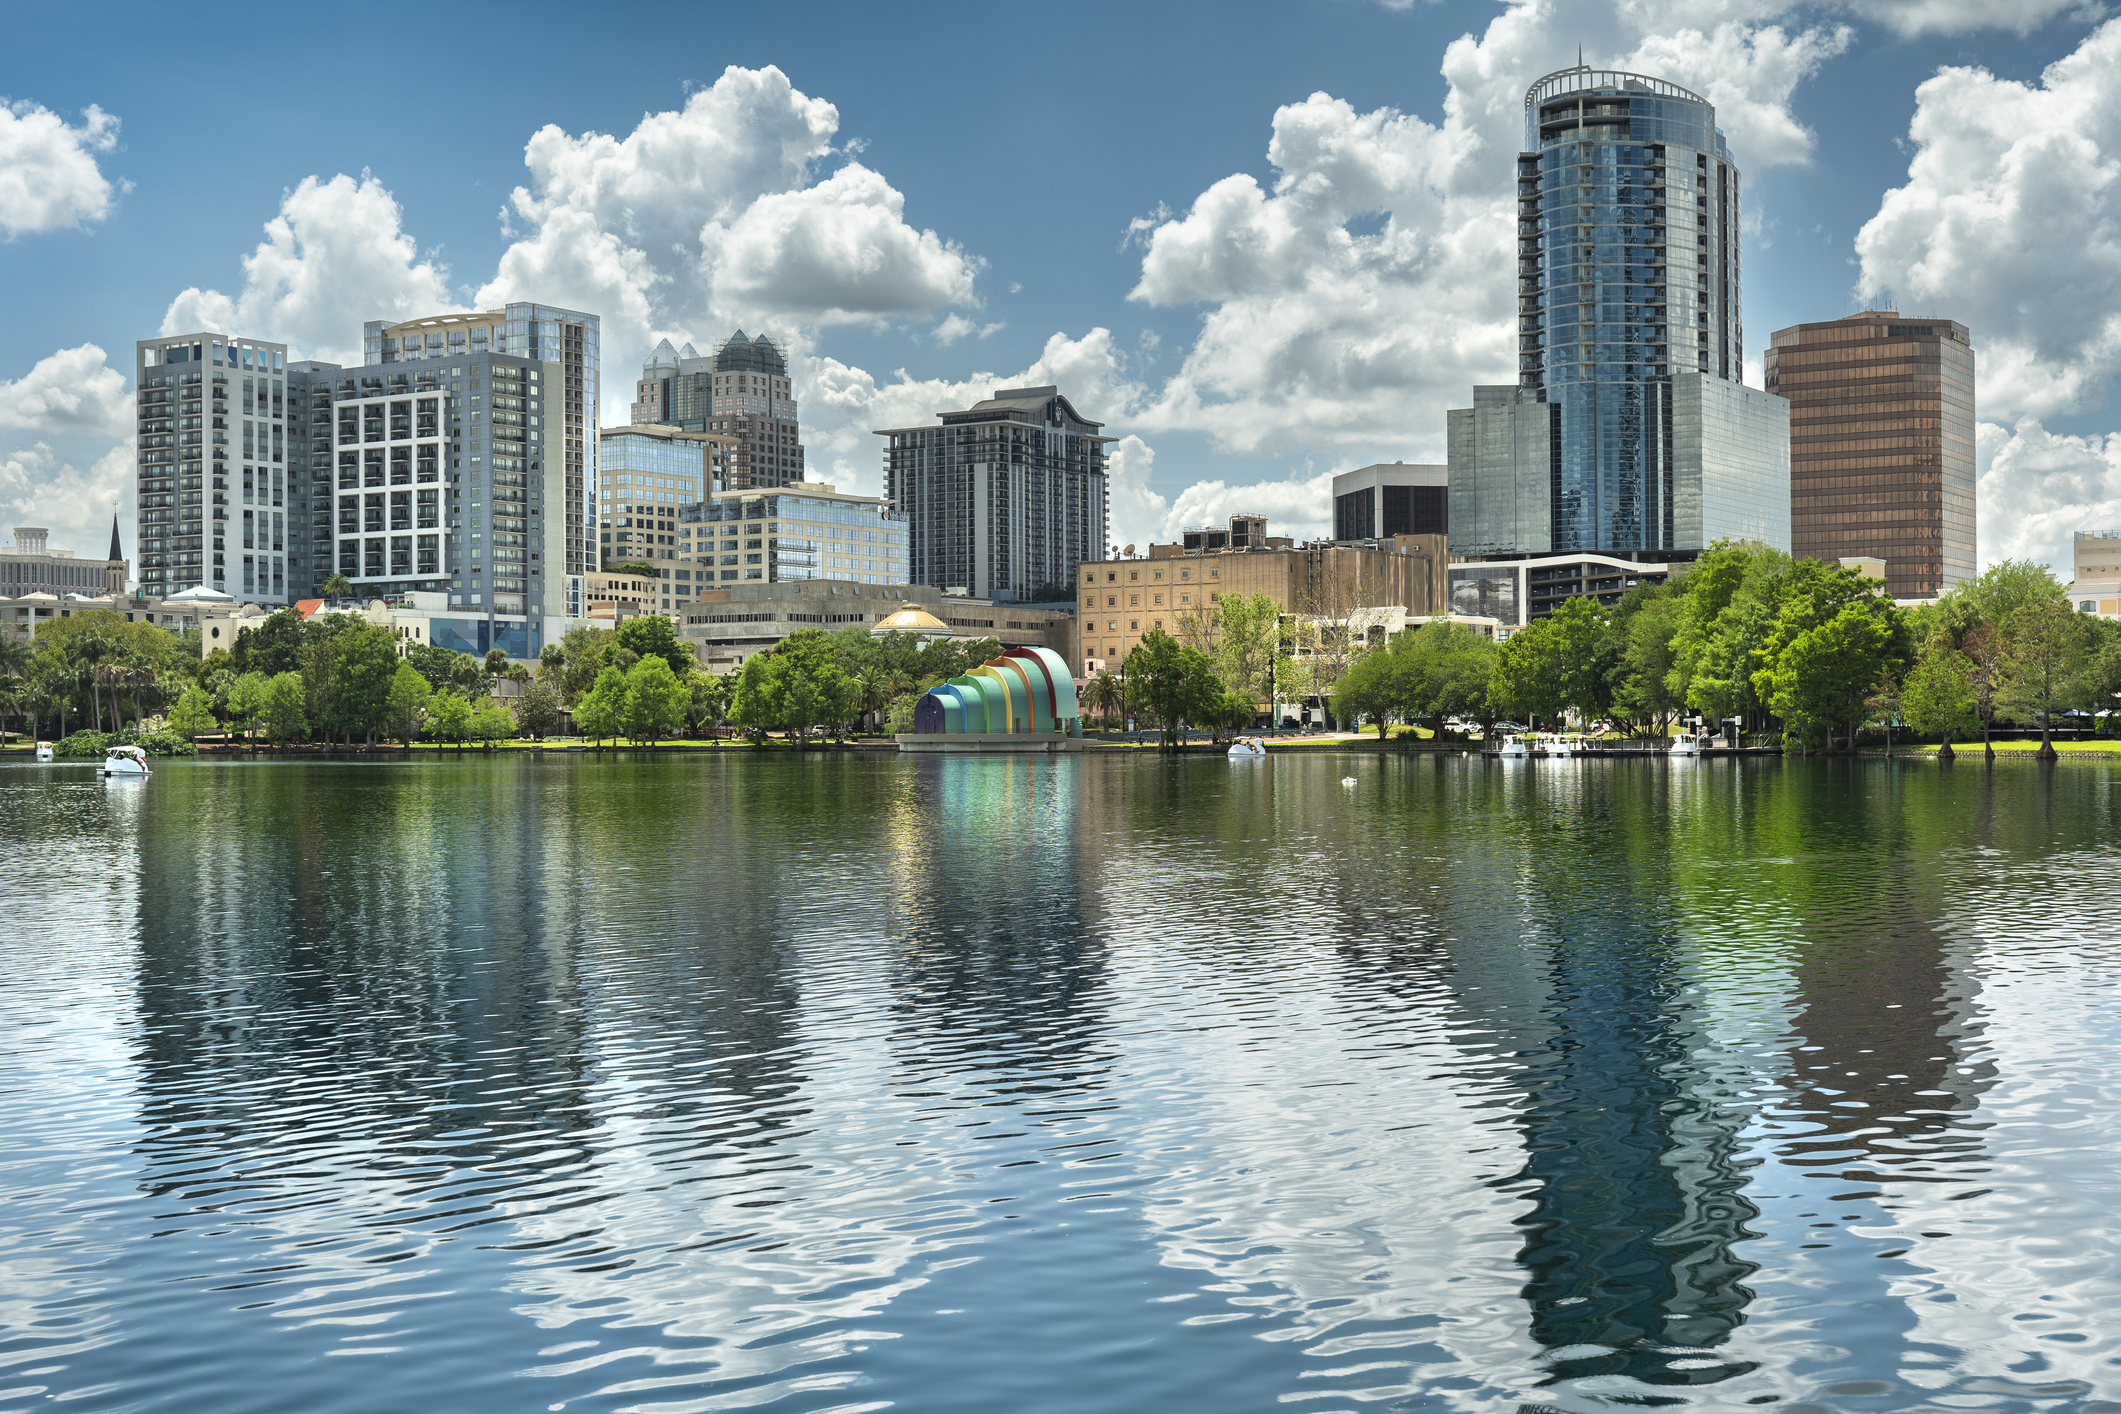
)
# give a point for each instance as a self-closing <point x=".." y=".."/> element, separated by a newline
<point x="855" y="1083"/>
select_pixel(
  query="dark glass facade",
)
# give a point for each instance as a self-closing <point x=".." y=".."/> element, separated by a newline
<point x="1628" y="275"/>
<point x="1881" y="444"/>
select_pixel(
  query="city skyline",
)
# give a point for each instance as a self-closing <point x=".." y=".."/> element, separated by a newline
<point x="1301" y="287"/>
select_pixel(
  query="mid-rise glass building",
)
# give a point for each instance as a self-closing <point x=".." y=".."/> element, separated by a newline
<point x="807" y="530"/>
<point x="1630" y="429"/>
<point x="648" y="472"/>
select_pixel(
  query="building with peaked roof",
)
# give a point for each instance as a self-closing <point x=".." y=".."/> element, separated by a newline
<point x="741" y="390"/>
<point x="1003" y="499"/>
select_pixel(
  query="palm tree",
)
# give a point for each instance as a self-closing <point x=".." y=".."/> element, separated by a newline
<point x="874" y="687"/>
<point x="336" y="586"/>
<point x="1105" y="694"/>
<point x="86" y="654"/>
<point x="466" y="672"/>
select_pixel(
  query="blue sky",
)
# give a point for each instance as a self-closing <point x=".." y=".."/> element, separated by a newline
<point x="928" y="202"/>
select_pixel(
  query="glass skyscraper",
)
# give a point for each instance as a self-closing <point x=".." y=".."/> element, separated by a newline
<point x="1630" y="345"/>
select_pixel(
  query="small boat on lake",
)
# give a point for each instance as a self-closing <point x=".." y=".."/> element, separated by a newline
<point x="1514" y="747"/>
<point x="44" y="751"/>
<point x="1247" y="748"/>
<point x="125" y="761"/>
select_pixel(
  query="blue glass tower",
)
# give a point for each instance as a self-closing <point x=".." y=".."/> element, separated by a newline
<point x="1628" y="282"/>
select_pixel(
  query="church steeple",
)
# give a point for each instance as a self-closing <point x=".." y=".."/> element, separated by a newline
<point x="117" y="551"/>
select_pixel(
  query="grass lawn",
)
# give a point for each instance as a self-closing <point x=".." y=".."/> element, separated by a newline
<point x="2025" y="745"/>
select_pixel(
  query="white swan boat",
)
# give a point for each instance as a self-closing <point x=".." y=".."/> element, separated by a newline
<point x="125" y="761"/>
<point x="1247" y="748"/>
<point x="1514" y="747"/>
<point x="1688" y="745"/>
<point x="44" y="751"/>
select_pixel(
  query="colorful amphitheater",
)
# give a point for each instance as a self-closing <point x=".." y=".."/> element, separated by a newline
<point x="1021" y="701"/>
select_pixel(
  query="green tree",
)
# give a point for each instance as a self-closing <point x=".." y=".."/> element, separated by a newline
<point x="337" y="586"/>
<point x="1988" y="669"/>
<point x="654" y="636"/>
<point x="491" y="724"/>
<point x="449" y="716"/>
<point x="246" y="699"/>
<point x="1105" y="695"/>
<point x="1529" y="679"/>
<point x="808" y="688"/>
<point x="349" y="675"/>
<point x="1587" y="650"/>
<point x="1646" y="693"/>
<point x="1826" y="673"/>
<point x="2044" y="658"/>
<point x="405" y="704"/>
<point x="1248" y="638"/>
<point x="602" y="709"/>
<point x="1938" y="696"/>
<point x="193" y="715"/>
<point x="583" y="652"/>
<point x="1171" y="684"/>
<point x="538" y="710"/>
<point x="1729" y="600"/>
<point x="1233" y="712"/>
<point x="1446" y="669"/>
<point x="709" y="701"/>
<point x="755" y="705"/>
<point x="274" y="646"/>
<point x="286" y="710"/>
<point x="1372" y="688"/>
<point x="656" y="699"/>
<point x="437" y="665"/>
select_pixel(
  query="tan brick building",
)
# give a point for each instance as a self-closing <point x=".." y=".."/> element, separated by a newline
<point x="1121" y="600"/>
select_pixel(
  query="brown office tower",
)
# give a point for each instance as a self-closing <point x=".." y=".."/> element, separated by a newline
<point x="1881" y="444"/>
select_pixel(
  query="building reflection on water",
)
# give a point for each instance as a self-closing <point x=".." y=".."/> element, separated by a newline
<point x="1517" y="1081"/>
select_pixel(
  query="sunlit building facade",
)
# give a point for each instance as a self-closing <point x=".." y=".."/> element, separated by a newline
<point x="1630" y="430"/>
<point x="1881" y="444"/>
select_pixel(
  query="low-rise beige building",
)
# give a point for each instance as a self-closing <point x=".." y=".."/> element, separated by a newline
<point x="727" y="626"/>
<point x="1175" y="590"/>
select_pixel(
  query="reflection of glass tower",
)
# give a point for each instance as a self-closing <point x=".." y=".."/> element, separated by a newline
<point x="1630" y="346"/>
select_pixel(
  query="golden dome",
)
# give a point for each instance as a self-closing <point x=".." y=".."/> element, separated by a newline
<point x="911" y="620"/>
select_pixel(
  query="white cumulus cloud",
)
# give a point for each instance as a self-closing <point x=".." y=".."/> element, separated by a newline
<point x="717" y="215"/>
<point x="1367" y="287"/>
<point x="49" y="177"/>
<point x="2008" y="223"/>
<point x="71" y="391"/>
<point x="335" y="256"/>
<point x="2035" y="489"/>
<point x="1919" y="17"/>
<point x="843" y="406"/>
<point x="39" y="487"/>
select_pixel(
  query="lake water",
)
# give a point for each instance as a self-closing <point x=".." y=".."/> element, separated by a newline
<point x="851" y="1083"/>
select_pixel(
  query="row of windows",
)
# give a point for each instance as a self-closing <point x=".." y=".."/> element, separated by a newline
<point x="1090" y="573"/>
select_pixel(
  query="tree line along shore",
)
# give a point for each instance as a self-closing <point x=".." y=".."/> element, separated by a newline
<point x="1810" y="655"/>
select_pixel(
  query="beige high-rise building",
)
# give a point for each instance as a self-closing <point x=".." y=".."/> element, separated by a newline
<point x="1881" y="444"/>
